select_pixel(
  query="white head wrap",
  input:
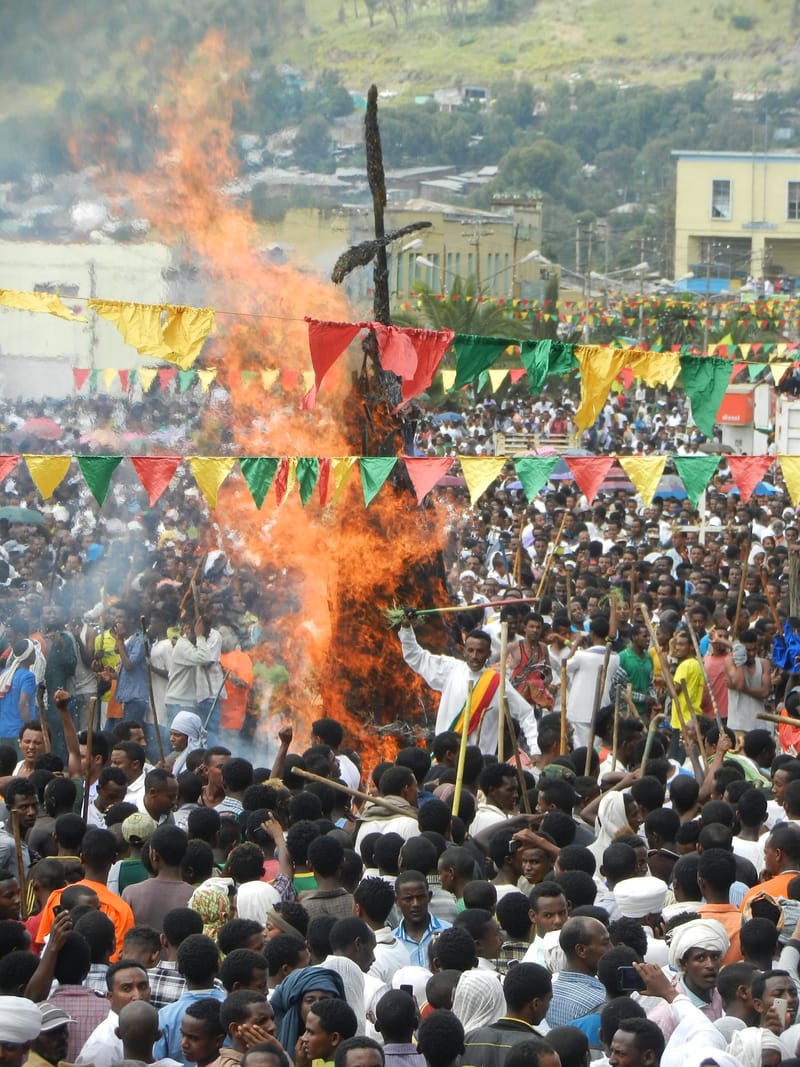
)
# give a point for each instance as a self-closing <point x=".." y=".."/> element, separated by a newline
<point x="637" y="897"/>
<point x="254" y="900"/>
<point x="416" y="977"/>
<point x="699" y="933"/>
<point x="20" y="1020"/>
<point x="747" y="1045"/>
<point x="7" y="677"/>
<point x="191" y="725"/>
<point x="611" y="818"/>
<point x="478" y="999"/>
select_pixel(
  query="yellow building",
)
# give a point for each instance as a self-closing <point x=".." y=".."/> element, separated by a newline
<point x="737" y="215"/>
<point x="499" y="248"/>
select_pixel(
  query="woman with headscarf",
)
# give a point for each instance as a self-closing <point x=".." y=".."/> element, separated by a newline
<point x="478" y="999"/>
<point x="255" y="900"/>
<point x="296" y="996"/>
<point x="186" y="734"/>
<point x="214" y="904"/>
<point x="755" y="1046"/>
<point x="611" y="819"/>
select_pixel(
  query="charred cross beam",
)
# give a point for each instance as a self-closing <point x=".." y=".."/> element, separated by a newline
<point x="361" y="254"/>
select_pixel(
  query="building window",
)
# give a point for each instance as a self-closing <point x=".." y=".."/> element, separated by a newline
<point x="793" y="200"/>
<point x="720" y="198"/>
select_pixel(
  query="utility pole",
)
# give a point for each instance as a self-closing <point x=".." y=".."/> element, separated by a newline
<point x="641" y="292"/>
<point x="587" y="287"/>
<point x="93" y="316"/>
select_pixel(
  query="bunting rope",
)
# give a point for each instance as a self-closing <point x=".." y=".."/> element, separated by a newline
<point x="330" y="474"/>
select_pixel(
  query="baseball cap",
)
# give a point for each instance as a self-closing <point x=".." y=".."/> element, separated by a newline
<point x="53" y="1017"/>
<point x="138" y="828"/>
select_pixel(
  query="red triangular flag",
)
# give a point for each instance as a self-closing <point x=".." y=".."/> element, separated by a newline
<point x="281" y="479"/>
<point x="80" y="374"/>
<point x="326" y="342"/>
<point x="737" y="367"/>
<point x="397" y="350"/>
<point x="165" y="376"/>
<point x="515" y="374"/>
<point x="413" y="355"/>
<point x="289" y="378"/>
<point x="323" y="480"/>
<point x="748" y="471"/>
<point x="123" y="380"/>
<point x="425" y="472"/>
<point x="155" y="473"/>
<point x="589" y="472"/>
<point x="7" y="464"/>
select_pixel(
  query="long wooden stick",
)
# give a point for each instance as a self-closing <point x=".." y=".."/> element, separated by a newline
<point x="462" y="750"/>
<point x="714" y="705"/>
<point x="598" y="696"/>
<point x="523" y="792"/>
<point x="189" y="591"/>
<point x="615" y="740"/>
<point x="87" y="782"/>
<point x="740" y="596"/>
<point x="23" y="888"/>
<point x="551" y="557"/>
<point x="783" y="720"/>
<point x="150" y="693"/>
<point x="501" y="693"/>
<point x="669" y="683"/>
<point x="562" y="748"/>
<point x="42" y="716"/>
<point x="384" y="803"/>
<point x="648" y="741"/>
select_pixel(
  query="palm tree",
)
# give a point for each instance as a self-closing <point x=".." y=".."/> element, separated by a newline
<point x="465" y="309"/>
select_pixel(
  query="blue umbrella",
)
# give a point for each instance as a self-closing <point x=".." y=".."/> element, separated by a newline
<point x="762" y="489"/>
<point x="453" y="416"/>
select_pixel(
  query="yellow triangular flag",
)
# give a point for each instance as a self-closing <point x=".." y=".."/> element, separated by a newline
<point x="47" y="472"/>
<point x="269" y="377"/>
<point x="780" y="349"/>
<point x="341" y="468"/>
<point x="210" y="472"/>
<point x="726" y="340"/>
<point x="745" y="350"/>
<point x="206" y="377"/>
<point x="655" y="368"/>
<point x="109" y="376"/>
<point x="47" y="303"/>
<point x="645" y="473"/>
<point x="778" y="371"/>
<point x="308" y="380"/>
<point x="291" y="477"/>
<point x="147" y="375"/>
<point x="479" y="473"/>
<point x="448" y="378"/>
<point x="790" y="466"/>
<point x="496" y="377"/>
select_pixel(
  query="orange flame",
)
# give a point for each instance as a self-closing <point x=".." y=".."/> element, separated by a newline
<point x="336" y="567"/>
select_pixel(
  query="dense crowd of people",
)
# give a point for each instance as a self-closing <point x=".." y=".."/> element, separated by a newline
<point x="594" y="856"/>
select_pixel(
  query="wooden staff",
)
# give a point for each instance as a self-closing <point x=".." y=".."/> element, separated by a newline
<point x="648" y="741"/>
<point x="714" y="705"/>
<point x="517" y="572"/>
<point x="189" y="591"/>
<point x="740" y="595"/>
<point x="523" y="792"/>
<point x="615" y="741"/>
<point x="598" y="696"/>
<point x="567" y="586"/>
<point x="562" y="748"/>
<point x="462" y="750"/>
<point x="501" y="692"/>
<point x="356" y="793"/>
<point x="153" y="710"/>
<point x="550" y="558"/>
<point x="783" y="720"/>
<point x="694" y="752"/>
<point x="633" y="711"/>
<point x="42" y="716"/>
<point x="88" y="768"/>
<point x="23" y="889"/>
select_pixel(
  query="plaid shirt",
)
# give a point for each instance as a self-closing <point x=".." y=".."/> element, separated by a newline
<point x="96" y="978"/>
<point x="510" y="952"/>
<point x="166" y="985"/>
<point x="86" y="1009"/>
<point x="574" y="995"/>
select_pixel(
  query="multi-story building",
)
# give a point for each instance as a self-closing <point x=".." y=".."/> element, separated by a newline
<point x="737" y="216"/>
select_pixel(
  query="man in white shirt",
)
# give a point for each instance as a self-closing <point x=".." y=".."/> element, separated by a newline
<point x="584" y="670"/>
<point x="126" y="983"/>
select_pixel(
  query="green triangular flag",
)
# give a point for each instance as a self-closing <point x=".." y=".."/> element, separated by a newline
<point x="483" y="378"/>
<point x="248" y="376"/>
<point x="131" y="377"/>
<point x="705" y="379"/>
<point x="258" y="472"/>
<point x="543" y="358"/>
<point x="695" y="472"/>
<point x="753" y="370"/>
<point x="374" y="471"/>
<point x="185" y="379"/>
<point x="533" y="472"/>
<point x="475" y="354"/>
<point x="93" y="381"/>
<point x="97" y="471"/>
<point x="306" y="471"/>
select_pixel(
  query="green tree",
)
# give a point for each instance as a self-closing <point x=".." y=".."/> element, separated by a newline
<point x="465" y="309"/>
<point x="313" y="147"/>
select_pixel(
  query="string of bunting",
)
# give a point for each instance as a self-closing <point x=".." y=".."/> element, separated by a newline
<point x="330" y="474"/>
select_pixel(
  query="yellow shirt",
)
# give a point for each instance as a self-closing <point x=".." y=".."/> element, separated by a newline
<point x="689" y="671"/>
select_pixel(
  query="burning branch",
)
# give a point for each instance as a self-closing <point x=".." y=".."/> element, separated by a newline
<point x="395" y="614"/>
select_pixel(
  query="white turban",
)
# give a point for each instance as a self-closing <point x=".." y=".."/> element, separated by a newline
<point x="191" y="725"/>
<point x="255" y="900"/>
<point x="20" y="1020"/>
<point x="747" y="1045"/>
<point x="637" y="897"/>
<point x="478" y="999"/>
<point x="699" y="933"/>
